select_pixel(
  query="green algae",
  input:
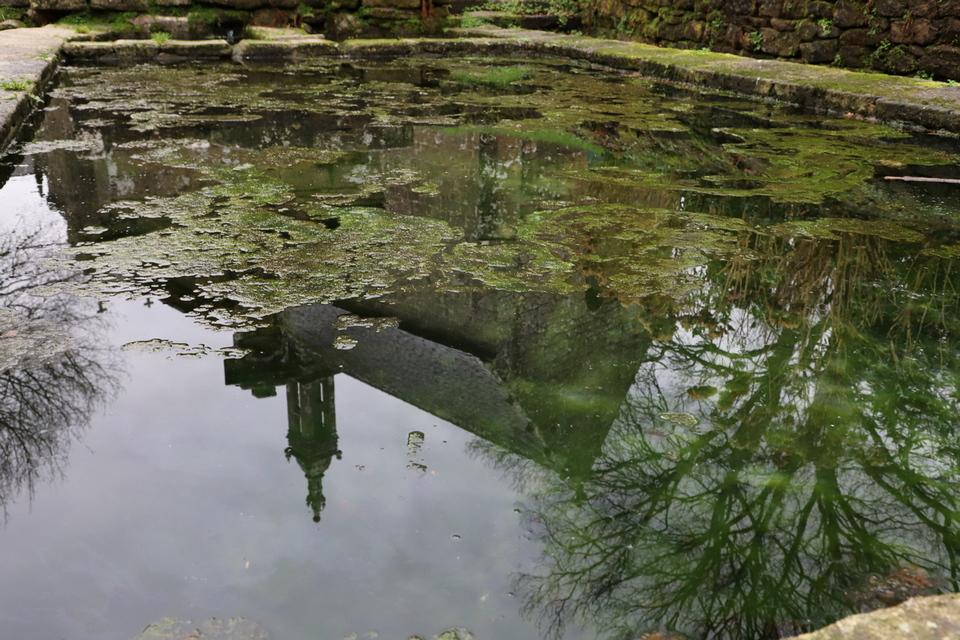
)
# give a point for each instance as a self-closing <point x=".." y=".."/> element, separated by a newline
<point x="344" y="185"/>
<point x="832" y="228"/>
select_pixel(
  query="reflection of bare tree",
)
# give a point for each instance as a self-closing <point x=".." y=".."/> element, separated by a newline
<point x="52" y="371"/>
<point x="795" y="435"/>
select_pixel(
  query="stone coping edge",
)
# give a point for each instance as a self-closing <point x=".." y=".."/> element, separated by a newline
<point x="33" y="60"/>
<point x="19" y="108"/>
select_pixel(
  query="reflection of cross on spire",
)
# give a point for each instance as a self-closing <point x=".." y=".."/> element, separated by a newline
<point x="312" y="434"/>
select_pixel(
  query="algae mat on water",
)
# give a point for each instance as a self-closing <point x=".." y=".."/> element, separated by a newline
<point x="350" y="180"/>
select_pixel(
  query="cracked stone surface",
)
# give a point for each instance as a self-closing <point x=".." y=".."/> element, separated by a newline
<point x="930" y="618"/>
<point x="26" y="55"/>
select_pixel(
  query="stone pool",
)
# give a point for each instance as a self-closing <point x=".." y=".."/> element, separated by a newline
<point x="360" y="349"/>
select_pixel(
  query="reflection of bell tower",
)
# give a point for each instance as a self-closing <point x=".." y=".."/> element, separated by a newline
<point x="312" y="434"/>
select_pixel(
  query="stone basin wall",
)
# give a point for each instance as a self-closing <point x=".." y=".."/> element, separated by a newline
<point x="904" y="37"/>
<point x="199" y="19"/>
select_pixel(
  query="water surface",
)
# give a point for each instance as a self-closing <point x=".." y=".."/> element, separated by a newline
<point x="386" y="348"/>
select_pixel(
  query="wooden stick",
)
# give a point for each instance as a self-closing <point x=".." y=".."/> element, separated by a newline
<point x="919" y="179"/>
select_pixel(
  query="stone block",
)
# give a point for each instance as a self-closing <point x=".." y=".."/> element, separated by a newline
<point x="779" y="43"/>
<point x="820" y="9"/>
<point x="781" y="24"/>
<point x="390" y="13"/>
<point x="891" y="8"/>
<point x="924" y="8"/>
<point x="950" y="9"/>
<point x="180" y="28"/>
<point x="397" y="4"/>
<point x="282" y="4"/>
<point x="770" y="8"/>
<point x="130" y="51"/>
<point x="854" y="57"/>
<point x="87" y="50"/>
<point x="244" y="5"/>
<point x="818" y="51"/>
<point x="898" y="61"/>
<point x="197" y="49"/>
<point x="308" y="46"/>
<point x="59" y="5"/>
<point x="847" y="13"/>
<point x="807" y="30"/>
<point x="344" y="25"/>
<point x="860" y="38"/>
<point x="942" y="61"/>
<point x="920" y="31"/>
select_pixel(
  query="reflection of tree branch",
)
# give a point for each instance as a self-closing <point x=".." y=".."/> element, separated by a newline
<point x="823" y="454"/>
<point x="52" y="371"/>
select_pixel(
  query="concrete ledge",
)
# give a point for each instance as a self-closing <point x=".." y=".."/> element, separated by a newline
<point x="28" y="59"/>
<point x="285" y="49"/>
<point x="138" y="51"/>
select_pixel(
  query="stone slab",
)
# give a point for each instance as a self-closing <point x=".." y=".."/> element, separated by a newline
<point x="197" y="49"/>
<point x="929" y="618"/>
<point x="26" y="56"/>
<point x="284" y="49"/>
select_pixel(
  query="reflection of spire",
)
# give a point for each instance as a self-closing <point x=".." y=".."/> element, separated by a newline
<point x="312" y="434"/>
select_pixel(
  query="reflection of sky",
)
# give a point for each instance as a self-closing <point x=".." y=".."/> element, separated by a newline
<point x="183" y="480"/>
<point x="22" y="207"/>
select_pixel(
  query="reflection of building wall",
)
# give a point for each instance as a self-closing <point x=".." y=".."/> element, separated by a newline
<point x="538" y="375"/>
<point x="483" y="183"/>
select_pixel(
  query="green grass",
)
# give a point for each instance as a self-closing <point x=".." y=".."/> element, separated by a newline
<point x="472" y="22"/>
<point x="9" y="13"/>
<point x="209" y="16"/>
<point x="492" y="76"/>
<point x="16" y="85"/>
<point x="90" y="21"/>
<point x="160" y="37"/>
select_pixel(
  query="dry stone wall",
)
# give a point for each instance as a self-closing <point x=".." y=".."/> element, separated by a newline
<point x="197" y="19"/>
<point x="904" y="37"/>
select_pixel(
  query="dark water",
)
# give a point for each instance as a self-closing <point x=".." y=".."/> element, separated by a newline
<point x="387" y="348"/>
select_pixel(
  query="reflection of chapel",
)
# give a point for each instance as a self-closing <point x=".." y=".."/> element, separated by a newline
<point x="312" y="434"/>
<point x="472" y="386"/>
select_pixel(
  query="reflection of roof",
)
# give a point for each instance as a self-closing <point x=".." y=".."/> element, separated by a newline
<point x="540" y="375"/>
<point x="446" y="382"/>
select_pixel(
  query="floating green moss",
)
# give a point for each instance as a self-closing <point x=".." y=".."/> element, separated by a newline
<point x="492" y="76"/>
<point x="358" y="181"/>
